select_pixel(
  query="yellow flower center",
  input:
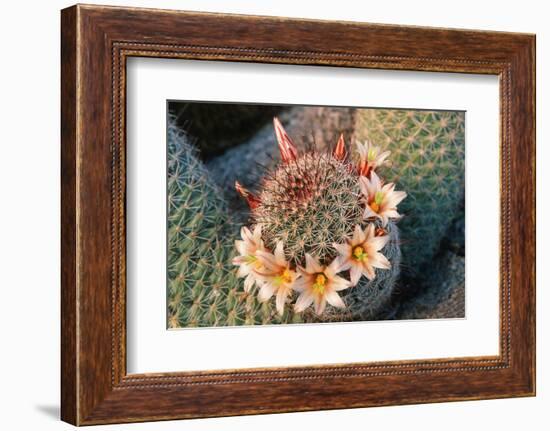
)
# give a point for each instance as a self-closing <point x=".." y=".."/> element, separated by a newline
<point x="371" y="156"/>
<point x="253" y="260"/>
<point x="377" y="201"/>
<point x="359" y="253"/>
<point x="320" y="282"/>
<point x="374" y="206"/>
<point x="284" y="277"/>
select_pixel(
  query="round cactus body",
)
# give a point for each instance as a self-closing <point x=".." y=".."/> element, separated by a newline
<point x="318" y="215"/>
<point x="203" y="289"/>
<point x="249" y="161"/>
<point x="309" y="204"/>
<point x="427" y="151"/>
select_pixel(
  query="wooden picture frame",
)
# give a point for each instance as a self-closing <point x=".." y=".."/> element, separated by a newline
<point x="96" y="41"/>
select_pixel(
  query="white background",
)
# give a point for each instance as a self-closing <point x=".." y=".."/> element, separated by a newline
<point x="29" y="228"/>
<point x="151" y="348"/>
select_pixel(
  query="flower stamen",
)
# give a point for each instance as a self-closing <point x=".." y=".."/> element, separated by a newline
<point x="377" y="201"/>
<point x="371" y="155"/>
<point x="320" y="282"/>
<point x="284" y="277"/>
<point x="359" y="253"/>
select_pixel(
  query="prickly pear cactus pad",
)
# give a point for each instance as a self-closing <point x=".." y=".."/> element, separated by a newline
<point x="322" y="239"/>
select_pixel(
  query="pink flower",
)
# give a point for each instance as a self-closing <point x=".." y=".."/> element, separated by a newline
<point x="361" y="254"/>
<point x="276" y="276"/>
<point x="318" y="285"/>
<point x="247" y="260"/>
<point x="381" y="200"/>
<point x="370" y="157"/>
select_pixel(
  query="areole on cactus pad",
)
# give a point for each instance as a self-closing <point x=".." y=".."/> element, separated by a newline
<point x="322" y="230"/>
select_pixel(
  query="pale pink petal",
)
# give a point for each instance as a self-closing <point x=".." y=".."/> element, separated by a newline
<point x="262" y="278"/>
<point x="343" y="249"/>
<point x="365" y="186"/>
<point x="320" y="304"/>
<point x="280" y="300"/>
<point x="369" y="213"/>
<point x="368" y="270"/>
<point x="266" y="292"/>
<point x="280" y="254"/>
<point x="312" y="265"/>
<point x="369" y="231"/>
<point x="382" y="157"/>
<point x="301" y="284"/>
<point x="330" y="271"/>
<point x="241" y="247"/>
<point x="370" y="185"/>
<point x="393" y="199"/>
<point x="339" y="283"/>
<point x="358" y="235"/>
<point x="345" y="264"/>
<point x="391" y="213"/>
<point x="304" y="300"/>
<point x="239" y="260"/>
<point x="362" y="150"/>
<point x="387" y="189"/>
<point x="334" y="299"/>
<point x="400" y="195"/>
<point x="246" y="234"/>
<point x="268" y="260"/>
<point x="334" y="268"/>
<point x="243" y="271"/>
<point x="378" y="260"/>
<point x="293" y="276"/>
<point x="257" y="234"/>
<point x="249" y="282"/>
<point x="303" y="272"/>
<point x="379" y="242"/>
<point x="355" y="274"/>
<point x="375" y="181"/>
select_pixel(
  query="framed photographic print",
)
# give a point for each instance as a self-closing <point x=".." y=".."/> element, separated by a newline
<point x="266" y="215"/>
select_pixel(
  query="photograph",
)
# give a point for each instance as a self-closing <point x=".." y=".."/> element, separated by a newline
<point x="293" y="214"/>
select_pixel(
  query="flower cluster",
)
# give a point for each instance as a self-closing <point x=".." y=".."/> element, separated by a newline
<point x="316" y="279"/>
